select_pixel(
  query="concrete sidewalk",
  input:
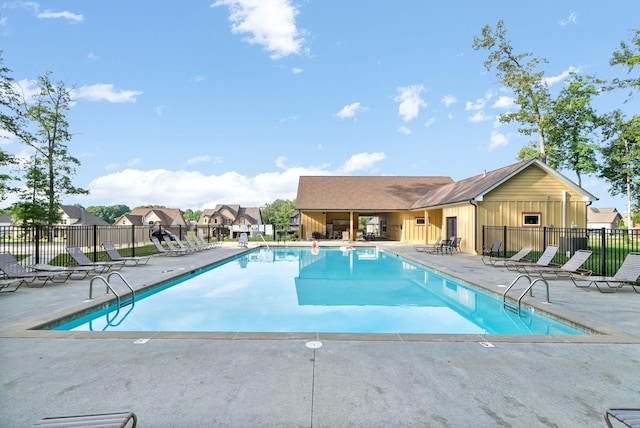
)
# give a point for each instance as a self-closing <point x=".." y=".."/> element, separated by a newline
<point x="277" y="380"/>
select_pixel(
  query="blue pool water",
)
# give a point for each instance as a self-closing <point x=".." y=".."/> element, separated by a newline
<point x="294" y="290"/>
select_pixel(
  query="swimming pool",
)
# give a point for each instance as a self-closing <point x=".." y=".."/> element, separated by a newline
<point x="295" y="289"/>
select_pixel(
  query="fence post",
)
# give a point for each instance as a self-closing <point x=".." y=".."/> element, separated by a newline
<point x="603" y="256"/>
<point x="37" y="243"/>
<point x="95" y="242"/>
<point x="544" y="238"/>
<point x="133" y="240"/>
<point x="504" y="239"/>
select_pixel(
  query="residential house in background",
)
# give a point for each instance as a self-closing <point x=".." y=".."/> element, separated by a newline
<point x="162" y="217"/>
<point x="229" y="219"/>
<point x="608" y="218"/>
<point x="76" y="216"/>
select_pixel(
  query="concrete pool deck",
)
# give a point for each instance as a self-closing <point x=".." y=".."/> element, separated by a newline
<point x="276" y="380"/>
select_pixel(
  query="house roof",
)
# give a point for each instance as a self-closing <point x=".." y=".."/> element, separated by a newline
<point x="83" y="216"/>
<point x="364" y="192"/>
<point x="409" y="193"/>
<point x="602" y="215"/>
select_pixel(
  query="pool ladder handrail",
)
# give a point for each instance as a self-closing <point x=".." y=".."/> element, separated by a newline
<point x="529" y="289"/>
<point x="110" y="288"/>
<point x="263" y="240"/>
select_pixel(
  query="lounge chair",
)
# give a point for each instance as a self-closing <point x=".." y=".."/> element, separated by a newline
<point x="167" y="252"/>
<point x="544" y="261"/>
<point x="628" y="274"/>
<point x="11" y="285"/>
<point x="501" y="261"/>
<point x="111" y="420"/>
<point x="14" y="270"/>
<point x="573" y="266"/>
<point x="115" y="256"/>
<point x="449" y="246"/>
<point x="192" y="244"/>
<point x="84" y="271"/>
<point x="628" y="417"/>
<point x="493" y="249"/>
<point x="428" y="248"/>
<point x="81" y="259"/>
<point x="180" y="245"/>
<point x="200" y="240"/>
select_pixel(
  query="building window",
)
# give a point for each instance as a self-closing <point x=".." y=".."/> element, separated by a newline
<point x="383" y="226"/>
<point x="531" y="219"/>
<point x="420" y="221"/>
<point x="227" y="222"/>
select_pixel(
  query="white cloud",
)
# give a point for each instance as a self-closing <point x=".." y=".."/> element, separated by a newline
<point x="404" y="130"/>
<point x="47" y="14"/>
<point x="268" y="23"/>
<point x="447" y="100"/>
<point x="497" y="140"/>
<point x="104" y="91"/>
<point x="198" y="159"/>
<point x="430" y="122"/>
<point x="186" y="189"/>
<point x="571" y="19"/>
<point x="361" y="161"/>
<point x="479" y="103"/>
<point x="349" y="111"/>
<point x="479" y="117"/>
<point x="410" y="101"/>
<point x="34" y="7"/>
<point x="550" y="81"/>
<point x="296" y="70"/>
<point x="503" y="102"/>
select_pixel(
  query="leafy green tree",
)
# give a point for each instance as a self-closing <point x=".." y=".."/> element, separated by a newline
<point x="572" y="125"/>
<point x="31" y="209"/>
<point x="621" y="158"/>
<point x="518" y="73"/>
<point x="191" y="215"/>
<point x="109" y="213"/>
<point x="278" y="212"/>
<point x="46" y="112"/>
<point x="9" y="119"/>
<point x="628" y="55"/>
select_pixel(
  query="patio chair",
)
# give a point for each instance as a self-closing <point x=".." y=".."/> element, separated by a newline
<point x="501" y="261"/>
<point x="493" y="249"/>
<point x="544" y="261"/>
<point x="628" y="417"/>
<point x="243" y="241"/>
<point x="115" y="256"/>
<point x="167" y="252"/>
<point x="427" y="248"/>
<point x="81" y="259"/>
<point x="203" y="243"/>
<point x="12" y="269"/>
<point x="180" y="245"/>
<point x="192" y="244"/>
<point x="573" y="266"/>
<point x="628" y="274"/>
<point x="11" y="285"/>
<point x="109" y="420"/>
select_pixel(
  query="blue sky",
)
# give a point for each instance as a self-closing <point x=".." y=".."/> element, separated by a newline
<point x="191" y="104"/>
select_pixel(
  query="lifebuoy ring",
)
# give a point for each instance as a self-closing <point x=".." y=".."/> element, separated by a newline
<point x="314" y="244"/>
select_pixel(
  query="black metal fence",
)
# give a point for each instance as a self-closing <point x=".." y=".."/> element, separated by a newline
<point x="609" y="246"/>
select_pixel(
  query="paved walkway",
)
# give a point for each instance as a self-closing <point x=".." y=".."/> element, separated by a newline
<point x="276" y="380"/>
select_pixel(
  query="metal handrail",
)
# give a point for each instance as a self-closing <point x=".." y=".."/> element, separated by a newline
<point x="529" y="289"/>
<point x="109" y="287"/>
<point x="263" y="240"/>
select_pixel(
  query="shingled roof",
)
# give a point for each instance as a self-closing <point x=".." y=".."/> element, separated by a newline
<point x="407" y="193"/>
<point x="364" y="192"/>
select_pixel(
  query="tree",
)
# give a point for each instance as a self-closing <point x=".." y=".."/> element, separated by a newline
<point x="191" y="215"/>
<point x="621" y="163"/>
<point x="31" y="208"/>
<point x="46" y="112"/>
<point x="9" y="118"/>
<point x="278" y="212"/>
<point x="572" y="124"/>
<point x="109" y="213"/>
<point x="530" y="90"/>
<point x="629" y="56"/>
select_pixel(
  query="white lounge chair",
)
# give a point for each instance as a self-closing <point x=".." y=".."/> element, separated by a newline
<point x="628" y="274"/>
<point x="545" y="260"/>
